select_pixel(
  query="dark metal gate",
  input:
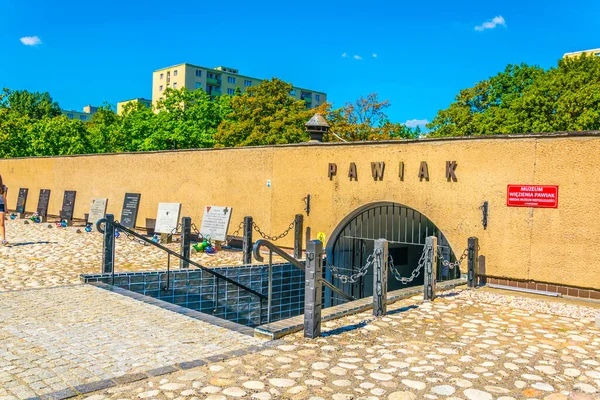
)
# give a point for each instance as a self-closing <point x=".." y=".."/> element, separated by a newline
<point x="405" y="229"/>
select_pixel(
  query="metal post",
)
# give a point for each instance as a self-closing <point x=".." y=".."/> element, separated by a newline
<point x="247" y="244"/>
<point x="431" y="245"/>
<point x="473" y="262"/>
<point x="270" y="287"/>
<point x="380" y="275"/>
<point x="313" y="290"/>
<point x="186" y="233"/>
<point x="108" y="254"/>
<point x="298" y="223"/>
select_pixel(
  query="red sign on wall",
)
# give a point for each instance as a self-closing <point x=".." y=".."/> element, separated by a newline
<point x="532" y="196"/>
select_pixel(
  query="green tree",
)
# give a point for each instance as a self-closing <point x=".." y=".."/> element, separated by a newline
<point x="104" y="131"/>
<point x="525" y="99"/>
<point x="265" y="114"/>
<point x="58" y="136"/>
<point x="33" y="104"/>
<point x="365" y="119"/>
<point x="187" y="119"/>
<point x="14" y="136"/>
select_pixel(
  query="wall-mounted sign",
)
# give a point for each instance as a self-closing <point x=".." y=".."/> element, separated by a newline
<point x="538" y="196"/>
<point x="378" y="169"/>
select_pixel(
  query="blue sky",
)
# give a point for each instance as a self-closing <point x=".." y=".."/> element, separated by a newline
<point x="426" y="51"/>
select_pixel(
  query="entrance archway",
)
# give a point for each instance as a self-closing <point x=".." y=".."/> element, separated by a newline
<point x="405" y="228"/>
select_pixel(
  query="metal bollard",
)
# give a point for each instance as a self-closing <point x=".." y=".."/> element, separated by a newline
<point x="380" y="275"/>
<point x="247" y="244"/>
<point x="473" y="262"/>
<point x="186" y="233"/>
<point x="108" y="254"/>
<point x="313" y="293"/>
<point x="298" y="223"/>
<point x="430" y="268"/>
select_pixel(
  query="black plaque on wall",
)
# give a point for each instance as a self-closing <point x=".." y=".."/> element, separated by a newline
<point x="129" y="213"/>
<point x="44" y="200"/>
<point x="22" y="200"/>
<point x="68" y="205"/>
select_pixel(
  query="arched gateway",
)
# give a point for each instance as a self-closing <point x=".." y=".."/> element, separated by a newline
<point x="353" y="240"/>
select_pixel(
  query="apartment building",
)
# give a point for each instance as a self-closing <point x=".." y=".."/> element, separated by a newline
<point x="217" y="81"/>
<point x="85" y="115"/>
<point x="121" y="104"/>
<point x="592" y="52"/>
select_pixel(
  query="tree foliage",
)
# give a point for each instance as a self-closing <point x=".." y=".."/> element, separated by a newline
<point x="31" y="124"/>
<point x="526" y="98"/>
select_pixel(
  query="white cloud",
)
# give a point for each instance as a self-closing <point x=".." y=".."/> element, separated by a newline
<point x="357" y="57"/>
<point x="345" y="55"/>
<point x="31" y="40"/>
<point x="498" y="20"/>
<point x="413" y="123"/>
<point x="374" y="55"/>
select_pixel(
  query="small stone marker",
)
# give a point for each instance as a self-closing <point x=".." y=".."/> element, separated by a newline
<point x="68" y="206"/>
<point x="97" y="211"/>
<point x="167" y="217"/>
<point x="43" y="201"/>
<point x="22" y="202"/>
<point x="131" y="204"/>
<point x="598" y="321"/>
<point x="215" y="222"/>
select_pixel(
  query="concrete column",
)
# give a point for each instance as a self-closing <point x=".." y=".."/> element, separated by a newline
<point x="431" y="244"/>
<point x="247" y="244"/>
<point x="473" y="247"/>
<point x="186" y="233"/>
<point x="380" y="274"/>
<point x="313" y="293"/>
<point x="108" y="254"/>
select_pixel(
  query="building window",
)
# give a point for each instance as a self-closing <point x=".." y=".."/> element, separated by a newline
<point x="160" y="88"/>
<point x="70" y="116"/>
<point x="175" y="73"/>
<point x="198" y="85"/>
<point x="174" y="85"/>
<point x="162" y="76"/>
<point x="317" y="97"/>
<point x="230" y="79"/>
<point x="198" y="72"/>
<point x="230" y="91"/>
<point x="247" y="83"/>
<point x="293" y="93"/>
<point x="82" y="117"/>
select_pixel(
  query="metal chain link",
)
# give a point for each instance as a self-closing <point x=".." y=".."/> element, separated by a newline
<point x="130" y="237"/>
<point x="195" y="229"/>
<point x="354" y="277"/>
<point x="236" y="233"/>
<point x="414" y="273"/>
<point x="274" y="238"/>
<point x="174" y="230"/>
<point x="456" y="263"/>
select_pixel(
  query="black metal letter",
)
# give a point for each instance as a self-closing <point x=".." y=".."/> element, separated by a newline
<point x="332" y="170"/>
<point x="377" y="169"/>
<point x="450" y="170"/>
<point x="352" y="172"/>
<point x="424" y="171"/>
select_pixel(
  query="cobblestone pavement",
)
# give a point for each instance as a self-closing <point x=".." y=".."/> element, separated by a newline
<point x="59" y="338"/>
<point x="472" y="345"/>
<point x="39" y="256"/>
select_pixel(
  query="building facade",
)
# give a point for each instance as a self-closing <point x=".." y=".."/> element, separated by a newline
<point x="121" y="105"/>
<point x="217" y="81"/>
<point x="85" y="115"/>
<point x="574" y="54"/>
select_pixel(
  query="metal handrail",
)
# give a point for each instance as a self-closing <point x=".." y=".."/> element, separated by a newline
<point x="275" y="249"/>
<point x="173" y="253"/>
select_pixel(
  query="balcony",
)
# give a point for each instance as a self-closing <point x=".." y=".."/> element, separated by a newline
<point x="213" y="81"/>
<point x="215" y="92"/>
<point x="307" y="99"/>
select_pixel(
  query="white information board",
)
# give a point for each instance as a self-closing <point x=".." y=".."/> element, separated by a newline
<point x="215" y="222"/>
<point x="167" y="217"/>
<point x="97" y="210"/>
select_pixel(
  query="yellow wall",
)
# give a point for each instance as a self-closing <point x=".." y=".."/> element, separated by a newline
<point x="551" y="245"/>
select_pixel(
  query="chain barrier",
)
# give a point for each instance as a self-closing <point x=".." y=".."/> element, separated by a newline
<point x="176" y="229"/>
<point x="128" y="236"/>
<point x="274" y="238"/>
<point x="234" y="234"/>
<point x="457" y="263"/>
<point x="354" y="277"/>
<point x="414" y="273"/>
